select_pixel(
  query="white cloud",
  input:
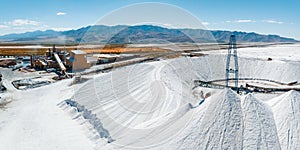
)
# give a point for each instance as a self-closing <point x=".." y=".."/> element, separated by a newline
<point x="22" y="22"/>
<point x="273" y="21"/>
<point x="244" y="21"/>
<point x="205" y="23"/>
<point x="3" y="26"/>
<point x="61" y="13"/>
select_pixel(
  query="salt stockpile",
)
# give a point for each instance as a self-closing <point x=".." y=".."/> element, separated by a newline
<point x="259" y="131"/>
<point x="286" y="109"/>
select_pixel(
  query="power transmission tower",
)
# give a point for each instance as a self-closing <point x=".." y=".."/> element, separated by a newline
<point x="232" y="52"/>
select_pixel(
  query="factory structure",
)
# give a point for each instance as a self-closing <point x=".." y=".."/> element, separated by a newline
<point x="63" y="61"/>
<point x="56" y="60"/>
<point x="60" y="63"/>
<point x="78" y="61"/>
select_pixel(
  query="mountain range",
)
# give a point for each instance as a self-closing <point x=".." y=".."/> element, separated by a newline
<point x="121" y="34"/>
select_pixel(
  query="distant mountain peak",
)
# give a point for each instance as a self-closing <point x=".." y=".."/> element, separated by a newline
<point x="121" y="34"/>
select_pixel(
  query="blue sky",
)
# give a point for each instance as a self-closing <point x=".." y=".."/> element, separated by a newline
<point x="262" y="16"/>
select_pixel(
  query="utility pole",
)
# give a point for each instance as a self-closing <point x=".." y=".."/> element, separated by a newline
<point x="232" y="52"/>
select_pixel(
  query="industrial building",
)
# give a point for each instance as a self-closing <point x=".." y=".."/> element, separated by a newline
<point x="61" y="61"/>
<point x="78" y="61"/>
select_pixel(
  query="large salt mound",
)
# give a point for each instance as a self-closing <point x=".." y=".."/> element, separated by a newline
<point x="146" y="105"/>
<point x="217" y="124"/>
<point x="286" y="109"/>
<point x="259" y="126"/>
<point x="222" y="123"/>
<point x="226" y="122"/>
<point x="139" y="102"/>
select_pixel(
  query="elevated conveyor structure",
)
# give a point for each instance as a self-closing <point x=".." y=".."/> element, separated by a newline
<point x="60" y="63"/>
<point x="271" y="86"/>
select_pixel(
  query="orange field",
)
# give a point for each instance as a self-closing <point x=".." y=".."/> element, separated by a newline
<point x="20" y="51"/>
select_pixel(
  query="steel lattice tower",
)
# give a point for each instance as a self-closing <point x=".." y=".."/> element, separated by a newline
<point x="232" y="52"/>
